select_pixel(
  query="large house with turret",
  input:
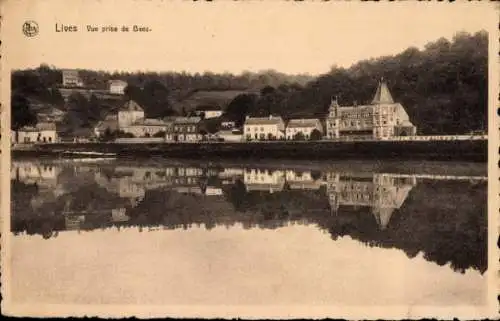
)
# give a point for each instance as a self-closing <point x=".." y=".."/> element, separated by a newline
<point x="381" y="119"/>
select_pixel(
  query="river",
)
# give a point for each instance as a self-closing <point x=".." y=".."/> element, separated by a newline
<point x="212" y="233"/>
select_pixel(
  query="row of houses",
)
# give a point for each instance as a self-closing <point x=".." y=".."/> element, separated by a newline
<point x="382" y="119"/>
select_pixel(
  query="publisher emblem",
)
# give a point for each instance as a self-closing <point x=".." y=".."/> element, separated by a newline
<point x="30" y="28"/>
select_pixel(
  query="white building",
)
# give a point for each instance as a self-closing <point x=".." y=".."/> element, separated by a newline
<point x="209" y="111"/>
<point x="129" y="114"/>
<point x="264" y="128"/>
<point x="117" y="87"/>
<point x="41" y="133"/>
<point x="71" y="78"/>
<point x="304" y="126"/>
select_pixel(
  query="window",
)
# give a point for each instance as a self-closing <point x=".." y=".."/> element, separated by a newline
<point x="262" y="129"/>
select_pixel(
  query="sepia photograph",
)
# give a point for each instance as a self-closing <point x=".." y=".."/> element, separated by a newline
<point x="251" y="159"/>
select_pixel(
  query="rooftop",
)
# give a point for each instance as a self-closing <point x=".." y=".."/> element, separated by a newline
<point x="382" y="95"/>
<point x="303" y="122"/>
<point x="131" y="106"/>
<point x="118" y="82"/>
<point x="264" y="120"/>
<point x="39" y="127"/>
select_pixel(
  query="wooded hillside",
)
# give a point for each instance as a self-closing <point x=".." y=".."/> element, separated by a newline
<point x="443" y="88"/>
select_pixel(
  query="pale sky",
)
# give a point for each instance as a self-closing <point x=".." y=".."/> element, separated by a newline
<point x="227" y="36"/>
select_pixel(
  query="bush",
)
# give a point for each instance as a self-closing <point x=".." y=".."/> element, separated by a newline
<point x="316" y="135"/>
<point x="160" y="134"/>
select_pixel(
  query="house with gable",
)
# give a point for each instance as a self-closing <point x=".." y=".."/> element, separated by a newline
<point x="264" y="128"/>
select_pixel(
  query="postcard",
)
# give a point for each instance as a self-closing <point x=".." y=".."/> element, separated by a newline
<point x="249" y="159"/>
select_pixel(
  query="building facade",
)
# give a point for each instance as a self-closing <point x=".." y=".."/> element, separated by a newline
<point x="381" y="119"/>
<point x="130" y="113"/>
<point x="41" y="133"/>
<point x="71" y="78"/>
<point x="264" y="128"/>
<point x="146" y="127"/>
<point x="186" y="129"/>
<point x="304" y="127"/>
<point x="117" y="87"/>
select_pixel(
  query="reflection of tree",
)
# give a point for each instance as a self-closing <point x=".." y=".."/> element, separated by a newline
<point x="449" y="227"/>
<point x="444" y="220"/>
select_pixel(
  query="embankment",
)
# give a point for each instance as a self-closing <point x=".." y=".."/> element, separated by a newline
<point x="473" y="150"/>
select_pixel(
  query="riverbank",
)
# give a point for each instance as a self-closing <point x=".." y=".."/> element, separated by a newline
<point x="473" y="150"/>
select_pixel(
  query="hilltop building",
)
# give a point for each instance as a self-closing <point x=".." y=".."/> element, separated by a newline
<point x="117" y="87"/>
<point x="208" y="111"/>
<point x="71" y="78"/>
<point x="383" y="118"/>
<point x="304" y="126"/>
<point x="264" y="128"/>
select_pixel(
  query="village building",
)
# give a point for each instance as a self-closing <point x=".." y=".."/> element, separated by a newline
<point x="264" y="128"/>
<point x="233" y="135"/>
<point x="383" y="118"/>
<point x="305" y="127"/>
<point x="146" y="127"/>
<point x="227" y="124"/>
<point x="71" y="78"/>
<point x="40" y="133"/>
<point x="117" y="87"/>
<point x="109" y="124"/>
<point x="169" y="128"/>
<point x="208" y="111"/>
<point x="129" y="113"/>
<point x="186" y="129"/>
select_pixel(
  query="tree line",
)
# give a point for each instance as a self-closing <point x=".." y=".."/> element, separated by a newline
<point x="442" y="87"/>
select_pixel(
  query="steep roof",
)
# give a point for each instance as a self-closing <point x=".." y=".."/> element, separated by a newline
<point x="271" y="120"/>
<point x="303" y="122"/>
<point x="131" y="106"/>
<point x="382" y="95"/>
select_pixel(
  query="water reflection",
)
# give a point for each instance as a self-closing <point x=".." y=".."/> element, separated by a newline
<point x="442" y="217"/>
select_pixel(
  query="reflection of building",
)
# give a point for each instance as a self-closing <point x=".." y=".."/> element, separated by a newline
<point x="33" y="172"/>
<point x="383" y="118"/>
<point x="264" y="180"/>
<point x="382" y="192"/>
<point x="302" y="180"/>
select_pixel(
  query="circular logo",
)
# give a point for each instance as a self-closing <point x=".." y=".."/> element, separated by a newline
<point x="30" y="28"/>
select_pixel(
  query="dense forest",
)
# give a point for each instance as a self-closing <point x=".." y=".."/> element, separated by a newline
<point x="443" y="88"/>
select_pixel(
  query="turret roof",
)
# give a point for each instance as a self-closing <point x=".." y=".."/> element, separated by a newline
<point x="382" y="95"/>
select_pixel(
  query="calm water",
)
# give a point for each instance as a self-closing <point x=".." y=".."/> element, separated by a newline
<point x="165" y="232"/>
